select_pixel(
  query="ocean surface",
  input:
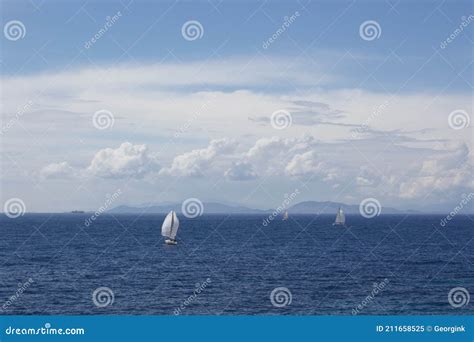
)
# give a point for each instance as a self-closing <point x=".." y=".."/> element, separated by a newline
<point x="230" y="265"/>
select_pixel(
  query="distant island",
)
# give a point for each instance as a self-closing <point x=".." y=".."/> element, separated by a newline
<point x="307" y="207"/>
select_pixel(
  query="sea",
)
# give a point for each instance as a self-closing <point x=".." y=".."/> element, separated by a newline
<point x="236" y="265"/>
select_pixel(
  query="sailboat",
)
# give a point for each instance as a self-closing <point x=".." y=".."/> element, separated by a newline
<point x="285" y="216"/>
<point x="170" y="228"/>
<point x="340" y="218"/>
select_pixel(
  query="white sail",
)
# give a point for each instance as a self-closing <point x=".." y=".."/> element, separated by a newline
<point x="340" y="217"/>
<point x="170" y="225"/>
<point x="285" y="216"/>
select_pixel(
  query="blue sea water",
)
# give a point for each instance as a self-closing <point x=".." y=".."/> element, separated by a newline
<point x="236" y="262"/>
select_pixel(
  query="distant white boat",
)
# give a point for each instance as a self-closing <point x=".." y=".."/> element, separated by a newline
<point x="340" y="218"/>
<point x="170" y="227"/>
<point x="285" y="216"/>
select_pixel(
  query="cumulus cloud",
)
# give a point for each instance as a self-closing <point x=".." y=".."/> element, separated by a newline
<point x="241" y="171"/>
<point x="368" y="177"/>
<point x="196" y="162"/>
<point x="449" y="171"/>
<point x="127" y="160"/>
<point x="294" y="157"/>
<point x="443" y="172"/>
<point x="305" y="164"/>
<point x="278" y="149"/>
<point x="57" y="170"/>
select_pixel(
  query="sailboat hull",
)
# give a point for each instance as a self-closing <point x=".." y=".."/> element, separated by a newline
<point x="171" y="242"/>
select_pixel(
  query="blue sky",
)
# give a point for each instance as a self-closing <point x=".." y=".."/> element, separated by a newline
<point x="192" y="118"/>
<point x="149" y="31"/>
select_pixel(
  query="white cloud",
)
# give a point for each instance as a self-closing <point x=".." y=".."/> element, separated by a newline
<point x="241" y="72"/>
<point x="368" y="177"/>
<point x="215" y="99"/>
<point x="241" y="171"/>
<point x="57" y="170"/>
<point x="196" y="162"/>
<point x="125" y="161"/>
<point x="305" y="164"/>
<point x="446" y="173"/>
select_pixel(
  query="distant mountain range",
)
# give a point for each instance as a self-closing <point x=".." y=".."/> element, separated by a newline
<point x="308" y="207"/>
<point x="313" y="207"/>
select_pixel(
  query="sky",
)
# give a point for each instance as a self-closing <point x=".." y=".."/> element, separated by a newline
<point x="236" y="102"/>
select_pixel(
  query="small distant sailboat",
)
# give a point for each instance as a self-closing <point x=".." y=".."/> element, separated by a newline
<point x="285" y="216"/>
<point x="340" y="218"/>
<point x="170" y="228"/>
